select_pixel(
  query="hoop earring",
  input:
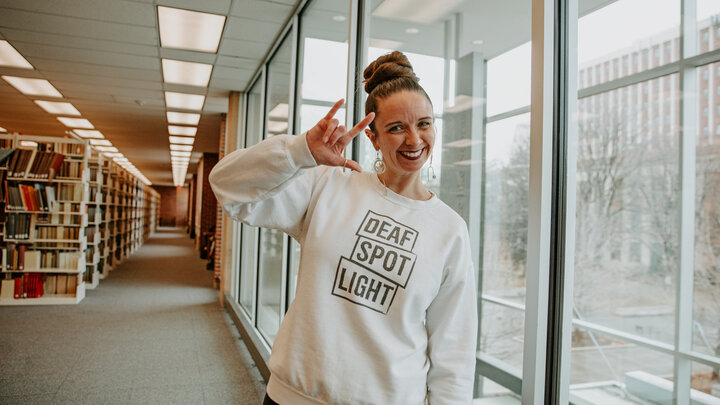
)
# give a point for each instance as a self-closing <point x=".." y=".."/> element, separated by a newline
<point x="378" y="164"/>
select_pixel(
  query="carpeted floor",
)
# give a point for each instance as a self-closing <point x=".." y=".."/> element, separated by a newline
<point x="151" y="333"/>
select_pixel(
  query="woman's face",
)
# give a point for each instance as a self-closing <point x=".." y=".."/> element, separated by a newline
<point x="404" y="132"/>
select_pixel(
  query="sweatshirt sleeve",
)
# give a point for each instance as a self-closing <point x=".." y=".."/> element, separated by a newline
<point x="452" y="331"/>
<point x="268" y="184"/>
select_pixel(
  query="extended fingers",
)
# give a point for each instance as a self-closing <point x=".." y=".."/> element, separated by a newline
<point x="362" y="124"/>
<point x="334" y="109"/>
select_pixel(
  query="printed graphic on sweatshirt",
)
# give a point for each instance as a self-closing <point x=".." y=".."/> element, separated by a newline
<point x="381" y="262"/>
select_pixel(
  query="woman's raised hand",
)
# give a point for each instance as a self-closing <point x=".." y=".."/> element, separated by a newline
<point x="327" y="139"/>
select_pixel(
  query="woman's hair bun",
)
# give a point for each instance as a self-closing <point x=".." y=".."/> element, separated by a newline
<point x="386" y="68"/>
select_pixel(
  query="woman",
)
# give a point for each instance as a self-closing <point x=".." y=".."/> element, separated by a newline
<point x="385" y="308"/>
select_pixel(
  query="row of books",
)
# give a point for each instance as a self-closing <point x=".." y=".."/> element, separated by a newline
<point x="91" y="233"/>
<point x="37" y="285"/>
<point x="70" y="191"/>
<point x="57" y="232"/>
<point x="36" y="197"/>
<point x="34" y="164"/>
<point x="18" y="226"/>
<point x="70" y="169"/>
<point x="59" y="218"/>
<point x="18" y="257"/>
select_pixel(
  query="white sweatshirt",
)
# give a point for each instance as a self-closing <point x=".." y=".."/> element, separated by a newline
<point x="385" y="309"/>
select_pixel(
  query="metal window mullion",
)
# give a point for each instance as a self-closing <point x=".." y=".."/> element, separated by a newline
<point x="688" y="133"/>
<point x="361" y="13"/>
<point x="539" y="212"/>
<point x="569" y="197"/>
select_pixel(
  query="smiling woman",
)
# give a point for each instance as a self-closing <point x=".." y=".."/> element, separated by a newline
<point x="385" y="308"/>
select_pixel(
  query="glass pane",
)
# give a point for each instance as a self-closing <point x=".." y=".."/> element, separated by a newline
<point x="473" y="59"/>
<point x="705" y="384"/>
<point x="607" y="54"/>
<point x="706" y="295"/>
<point x="248" y="256"/>
<point x="611" y="372"/>
<point x="708" y="25"/>
<point x="627" y="204"/>
<point x="322" y="78"/>
<point x="505" y="238"/>
<point x="272" y="242"/>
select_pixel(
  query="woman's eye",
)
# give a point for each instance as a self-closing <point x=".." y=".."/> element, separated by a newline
<point x="424" y="124"/>
<point x="396" y="128"/>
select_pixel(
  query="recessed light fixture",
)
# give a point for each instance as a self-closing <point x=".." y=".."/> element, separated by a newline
<point x="184" y="100"/>
<point x="179" y="159"/>
<point x="57" y="107"/>
<point x="100" y="142"/>
<point x="182" y="140"/>
<point x="179" y="153"/>
<point x="76" y="123"/>
<point x="112" y="154"/>
<point x="3" y="129"/>
<point x="121" y="159"/>
<point x="183" y="118"/>
<point x="478" y="42"/>
<point x="107" y="148"/>
<point x="339" y="18"/>
<point x="193" y="30"/>
<point x="186" y="148"/>
<point x="33" y="87"/>
<point x="85" y="133"/>
<point x="190" y="73"/>
<point x="411" y="30"/>
<point x="9" y="56"/>
<point x="176" y="130"/>
<point x="29" y="144"/>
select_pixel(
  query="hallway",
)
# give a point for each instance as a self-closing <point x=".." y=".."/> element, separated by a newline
<point x="153" y="332"/>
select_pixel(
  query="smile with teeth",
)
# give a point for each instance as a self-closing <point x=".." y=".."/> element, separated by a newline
<point x="412" y="155"/>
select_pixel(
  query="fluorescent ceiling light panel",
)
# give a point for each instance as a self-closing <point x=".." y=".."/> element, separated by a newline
<point x="280" y="111"/>
<point x="277" y="126"/>
<point x="9" y="56"/>
<point x="33" y="87"/>
<point x="193" y="30"/>
<point x="89" y="133"/>
<point x="28" y="143"/>
<point x="100" y="142"/>
<point x="76" y="123"/>
<point x="57" y="107"/>
<point x="186" y="148"/>
<point x="190" y="73"/>
<point x="187" y="131"/>
<point x="184" y="100"/>
<point x="113" y="154"/>
<point x="107" y="148"/>
<point x="3" y="129"/>
<point x="182" y="140"/>
<point x="182" y="118"/>
<point x="178" y="153"/>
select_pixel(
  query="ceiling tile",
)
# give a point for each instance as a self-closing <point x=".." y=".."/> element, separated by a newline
<point x="20" y="38"/>
<point x="205" y="6"/>
<point x="79" y="27"/>
<point x="245" y="28"/>
<point x="262" y="10"/>
<point x="119" y="11"/>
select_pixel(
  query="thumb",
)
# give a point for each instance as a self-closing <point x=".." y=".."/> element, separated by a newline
<point x="353" y="165"/>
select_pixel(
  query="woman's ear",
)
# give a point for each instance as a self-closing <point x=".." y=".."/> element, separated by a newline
<point x="371" y="136"/>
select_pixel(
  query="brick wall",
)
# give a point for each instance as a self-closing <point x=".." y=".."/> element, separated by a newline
<point x="219" y="211"/>
<point x="206" y="211"/>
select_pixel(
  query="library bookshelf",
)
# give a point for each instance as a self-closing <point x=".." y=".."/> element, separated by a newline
<point x="68" y="215"/>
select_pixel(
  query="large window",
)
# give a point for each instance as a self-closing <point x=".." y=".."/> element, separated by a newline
<point x="642" y="249"/>
<point x="322" y="78"/>
<point x="271" y="272"/>
<point x="248" y="240"/>
<point x="646" y="319"/>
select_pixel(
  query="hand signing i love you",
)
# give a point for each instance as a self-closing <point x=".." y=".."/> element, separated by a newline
<point x="327" y="139"/>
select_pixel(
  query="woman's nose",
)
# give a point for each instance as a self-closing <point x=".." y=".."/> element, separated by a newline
<point x="412" y="137"/>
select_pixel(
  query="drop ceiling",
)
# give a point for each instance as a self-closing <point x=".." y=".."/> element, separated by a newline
<point x="104" y="56"/>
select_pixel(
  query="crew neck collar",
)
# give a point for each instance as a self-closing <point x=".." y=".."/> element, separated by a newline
<point x="400" y="199"/>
